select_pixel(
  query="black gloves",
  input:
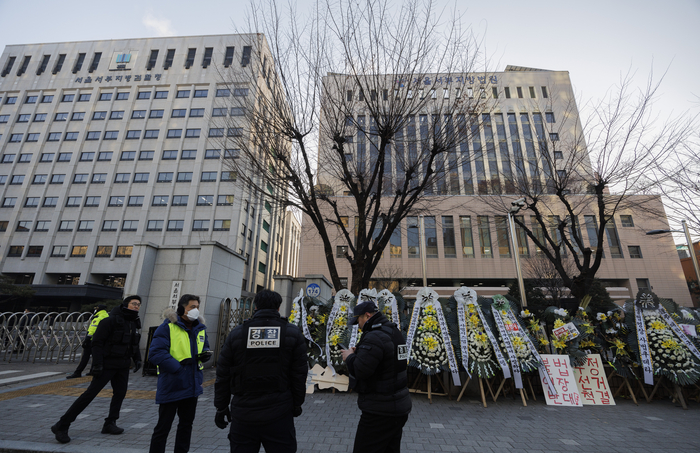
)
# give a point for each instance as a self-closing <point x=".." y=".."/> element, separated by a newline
<point x="96" y="370"/>
<point x="137" y="366"/>
<point x="186" y="362"/>
<point x="222" y="418"/>
<point x="296" y="411"/>
<point x="204" y="356"/>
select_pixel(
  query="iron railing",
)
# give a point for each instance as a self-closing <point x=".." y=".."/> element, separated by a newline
<point x="231" y="314"/>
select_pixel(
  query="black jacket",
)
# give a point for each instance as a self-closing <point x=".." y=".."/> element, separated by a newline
<point x="116" y="340"/>
<point x="380" y="378"/>
<point x="288" y="388"/>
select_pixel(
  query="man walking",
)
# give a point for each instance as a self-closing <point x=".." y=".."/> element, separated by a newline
<point x="263" y="365"/>
<point x="114" y="345"/>
<point x="100" y="313"/>
<point x="179" y="348"/>
<point x="377" y="368"/>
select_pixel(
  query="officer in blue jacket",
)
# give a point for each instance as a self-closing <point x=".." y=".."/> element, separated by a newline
<point x="179" y="348"/>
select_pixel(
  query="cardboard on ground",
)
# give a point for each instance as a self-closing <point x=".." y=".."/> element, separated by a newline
<point x="325" y="379"/>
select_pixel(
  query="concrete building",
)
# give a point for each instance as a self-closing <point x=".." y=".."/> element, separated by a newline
<point x="466" y="241"/>
<point x="113" y="180"/>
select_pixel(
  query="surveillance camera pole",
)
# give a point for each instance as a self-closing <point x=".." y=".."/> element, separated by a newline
<point x="516" y="253"/>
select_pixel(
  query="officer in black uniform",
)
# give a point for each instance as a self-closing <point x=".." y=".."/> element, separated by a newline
<point x="114" y="345"/>
<point x="377" y="368"/>
<point x="263" y="365"/>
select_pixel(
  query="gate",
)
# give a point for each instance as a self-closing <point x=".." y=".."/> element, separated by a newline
<point x="231" y="314"/>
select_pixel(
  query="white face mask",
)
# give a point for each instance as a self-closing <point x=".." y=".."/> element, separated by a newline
<point x="193" y="314"/>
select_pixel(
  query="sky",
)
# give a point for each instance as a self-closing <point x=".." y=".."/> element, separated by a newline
<point x="597" y="41"/>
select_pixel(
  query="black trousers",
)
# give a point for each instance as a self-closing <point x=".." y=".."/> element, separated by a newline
<point x="120" y="383"/>
<point x="379" y="433"/>
<point x="278" y="436"/>
<point x="185" y="410"/>
<point x="87" y="352"/>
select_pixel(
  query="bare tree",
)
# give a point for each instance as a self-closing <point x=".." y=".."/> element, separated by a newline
<point x="544" y="275"/>
<point x="363" y="113"/>
<point x="592" y="171"/>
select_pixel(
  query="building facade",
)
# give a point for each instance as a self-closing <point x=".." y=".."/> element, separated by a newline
<point x="111" y="174"/>
<point x="467" y="242"/>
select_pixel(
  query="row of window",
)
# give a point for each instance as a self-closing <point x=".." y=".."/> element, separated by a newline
<point x="106" y="156"/>
<point x="119" y="114"/>
<point x="103" y="251"/>
<point x="124" y="59"/>
<point x="119" y="178"/>
<point x="130" y="134"/>
<point x="113" y="225"/>
<point x="135" y="200"/>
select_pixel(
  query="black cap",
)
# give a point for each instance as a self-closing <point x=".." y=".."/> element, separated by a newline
<point x="126" y="300"/>
<point x="361" y="309"/>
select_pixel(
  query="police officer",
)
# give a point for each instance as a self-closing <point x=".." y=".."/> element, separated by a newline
<point x="179" y="348"/>
<point x="114" y="345"/>
<point x="377" y="368"/>
<point x="263" y="365"/>
<point x="100" y="313"/>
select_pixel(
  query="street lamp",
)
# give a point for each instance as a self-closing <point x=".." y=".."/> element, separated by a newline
<point x="691" y="249"/>
<point x="515" y="208"/>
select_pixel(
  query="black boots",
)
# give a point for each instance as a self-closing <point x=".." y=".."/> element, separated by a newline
<point x="61" y="433"/>
<point x="73" y="375"/>
<point x="111" y="428"/>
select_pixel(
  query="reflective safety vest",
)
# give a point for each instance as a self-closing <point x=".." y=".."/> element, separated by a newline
<point x="180" y="348"/>
<point x="99" y="316"/>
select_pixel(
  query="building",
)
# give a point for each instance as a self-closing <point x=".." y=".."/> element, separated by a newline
<point x="467" y="242"/>
<point x="689" y="271"/>
<point x="111" y="180"/>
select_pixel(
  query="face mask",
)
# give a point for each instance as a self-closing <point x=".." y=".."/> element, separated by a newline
<point x="192" y="314"/>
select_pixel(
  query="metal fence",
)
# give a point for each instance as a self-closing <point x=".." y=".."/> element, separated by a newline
<point x="231" y="314"/>
<point x="50" y="337"/>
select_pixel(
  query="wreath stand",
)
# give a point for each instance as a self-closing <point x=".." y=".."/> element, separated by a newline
<point x="626" y="384"/>
<point x="414" y="389"/>
<point x="523" y="395"/>
<point x="677" y="392"/>
<point x="481" y="387"/>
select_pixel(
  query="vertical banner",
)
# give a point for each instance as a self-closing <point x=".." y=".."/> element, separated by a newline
<point x="561" y="374"/>
<point x="175" y="291"/>
<point x="644" y="353"/>
<point x="505" y="336"/>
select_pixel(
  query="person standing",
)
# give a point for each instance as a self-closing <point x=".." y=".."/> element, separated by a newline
<point x="179" y="348"/>
<point x="377" y="368"/>
<point x="263" y="365"/>
<point x="114" y="345"/>
<point x="100" y="313"/>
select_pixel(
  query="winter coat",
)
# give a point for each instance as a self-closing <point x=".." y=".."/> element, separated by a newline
<point x="289" y="385"/>
<point x="116" y="339"/>
<point x="373" y="365"/>
<point x="99" y="316"/>
<point x="177" y="381"/>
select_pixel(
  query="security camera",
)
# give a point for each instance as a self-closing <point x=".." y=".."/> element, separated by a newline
<point x="519" y="202"/>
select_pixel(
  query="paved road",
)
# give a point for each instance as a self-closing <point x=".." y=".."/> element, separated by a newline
<point x="29" y="407"/>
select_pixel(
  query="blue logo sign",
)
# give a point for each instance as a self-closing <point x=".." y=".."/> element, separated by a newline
<point x="313" y="290"/>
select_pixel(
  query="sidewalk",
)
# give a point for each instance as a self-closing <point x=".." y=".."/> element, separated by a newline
<point x="28" y="410"/>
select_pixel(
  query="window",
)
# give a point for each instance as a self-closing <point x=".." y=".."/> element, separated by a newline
<point x="47" y="99"/>
<point x="196" y="113"/>
<point x="146" y="155"/>
<point x="24" y="226"/>
<point x="165" y="177"/>
<point x="208" y="176"/>
<point x="105" y="156"/>
<point x="87" y="157"/>
<point x="160" y="200"/>
<point x="266" y="226"/>
<point x="161" y="95"/>
<point x="46" y="157"/>
<point x="8" y="158"/>
<point x="15" y="250"/>
<point x="613" y="238"/>
<point x="235" y="132"/>
<point x="31" y="99"/>
<point x="240" y="91"/>
<point x="180" y="200"/>
<point x="558" y="155"/>
<point x="32" y="202"/>
<point x="192" y="133"/>
<point x="66" y="225"/>
<point x="16" y="138"/>
<point x="130" y="225"/>
<point x="144" y="94"/>
<point x="448" y="237"/>
<point x="635" y="251"/>
<point x="103" y="251"/>
<point x="561" y="174"/>
<point x="68" y="98"/>
<point x="99" y="178"/>
<point x="206" y="61"/>
<point x="71" y="137"/>
<point x="188" y="154"/>
<point x="93" y="135"/>
<point x="626" y="221"/>
<point x="190" y="58"/>
<point x="245" y="60"/>
<point x="40" y="117"/>
<point x="34" y="251"/>
<point x="25" y="158"/>
<point x="154" y="225"/>
<point x="50" y="202"/>
<point x="222" y="225"/>
<point x="200" y="225"/>
<point x="502" y="236"/>
<point x="169" y="154"/>
<point x="237" y="111"/>
<point x="156" y="114"/>
<point x="201" y="93"/>
<point x="84" y="98"/>
<point x="268" y="207"/>
<point x="3" y="179"/>
<point x="5" y="118"/>
<point x="484" y="236"/>
<point x="184" y="176"/>
<point x="135" y="200"/>
<point x="228" y="58"/>
<point x="11" y="100"/>
<point x="532" y="92"/>
<point x="116" y="201"/>
<point x="110" y="225"/>
<point x="24" y="118"/>
<point x="3" y="225"/>
<point x="86" y="225"/>
<point x="176" y="225"/>
<point x="133" y="135"/>
<point x="212" y="154"/>
<point x="92" y="202"/>
<point x="105" y="96"/>
<point x="219" y="112"/>
<point x="57" y="179"/>
<point x="124" y="251"/>
<point x="431" y="250"/>
<point x="643" y="285"/>
<point x="506" y="92"/>
<point x="174" y="133"/>
<point x="263" y="246"/>
<point x="123" y="96"/>
<point x="141" y="178"/>
<point x="111" y="135"/>
<point x="128" y="155"/>
<point x="549" y="117"/>
<point x="178" y="113"/>
<point x="554" y="136"/>
<point x="42" y="225"/>
<point x="138" y="114"/>
<point x="262" y="267"/>
<point x="223" y="93"/>
<point x="116" y="115"/>
<point x="77" y="116"/>
<point x="54" y="137"/>
<point x="32" y="137"/>
<point x="78" y="250"/>
<point x="97" y="116"/>
<point x="520" y="92"/>
<point x="122" y="178"/>
<point x="412" y="236"/>
<point x="59" y="250"/>
<point x="545" y="95"/>
<point x="17" y="179"/>
<point x="205" y="200"/>
<point x="80" y="178"/>
<point x="182" y="94"/>
<point x="216" y="132"/>
<point x="224" y="200"/>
